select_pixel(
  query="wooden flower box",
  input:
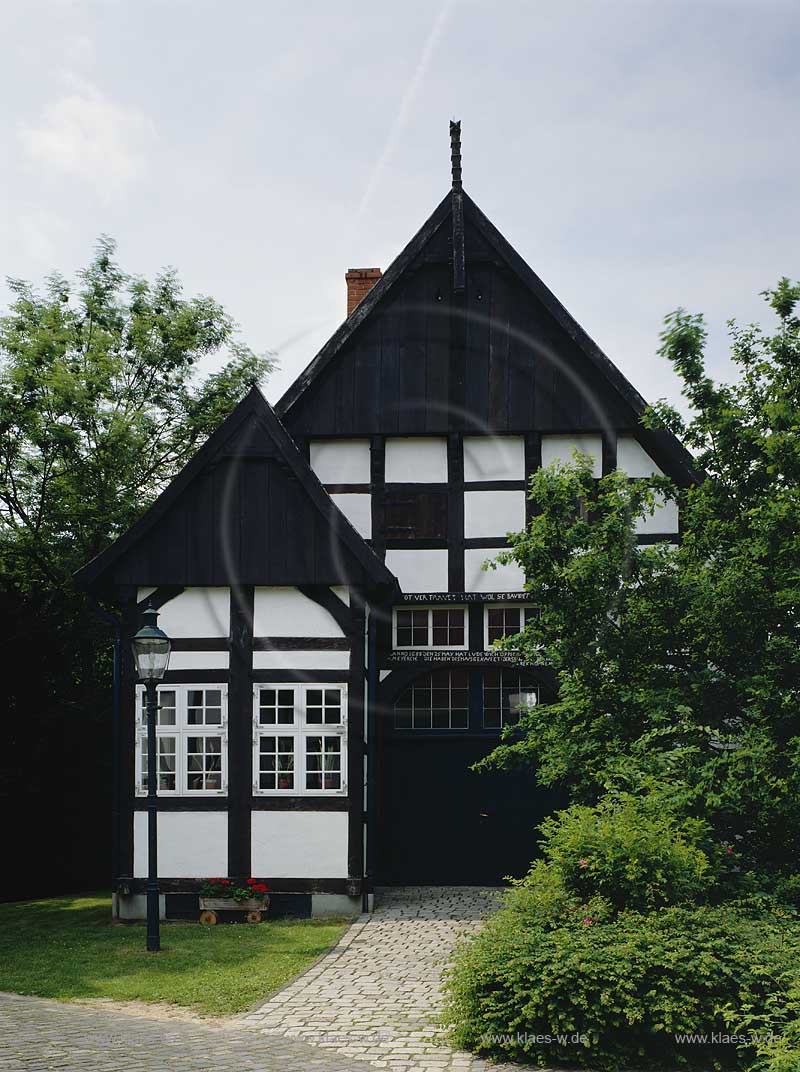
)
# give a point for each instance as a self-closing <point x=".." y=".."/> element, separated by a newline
<point x="254" y="908"/>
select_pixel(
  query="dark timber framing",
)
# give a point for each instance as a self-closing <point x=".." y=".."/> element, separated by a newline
<point x="355" y="743"/>
<point x="240" y="730"/>
<point x="458" y="338"/>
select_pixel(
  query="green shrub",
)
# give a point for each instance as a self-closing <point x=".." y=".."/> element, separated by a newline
<point x="630" y="851"/>
<point x="618" y="991"/>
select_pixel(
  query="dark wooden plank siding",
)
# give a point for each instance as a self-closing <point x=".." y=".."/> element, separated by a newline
<point x="499" y="352"/>
<point x="413" y="346"/>
<point x="495" y="360"/>
<point x="479" y="317"/>
<point x="263" y="529"/>
<point x="437" y="353"/>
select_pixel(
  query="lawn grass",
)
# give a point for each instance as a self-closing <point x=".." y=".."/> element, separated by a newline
<point x="68" y="948"/>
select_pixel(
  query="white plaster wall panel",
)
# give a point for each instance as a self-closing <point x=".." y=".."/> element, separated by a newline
<point x="419" y="571"/>
<point x="199" y="660"/>
<point x="343" y="592"/>
<point x="664" y="518"/>
<point x="143" y="593"/>
<point x="493" y="513"/>
<point x="299" y="844"/>
<point x="301" y="660"/>
<point x="340" y="461"/>
<point x="494" y="458"/>
<point x="419" y="460"/>
<point x="559" y="448"/>
<point x="197" y="612"/>
<point x="287" y="612"/>
<point x="502" y="579"/>
<point x="190" y="844"/>
<point x="357" y="508"/>
<point x="634" y="460"/>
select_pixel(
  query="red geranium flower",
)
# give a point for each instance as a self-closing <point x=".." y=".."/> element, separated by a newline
<point x="225" y="881"/>
<point x="260" y="888"/>
<point x="251" y="882"/>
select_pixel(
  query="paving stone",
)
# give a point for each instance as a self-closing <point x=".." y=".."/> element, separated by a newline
<point x="379" y="988"/>
<point x="37" y="1035"/>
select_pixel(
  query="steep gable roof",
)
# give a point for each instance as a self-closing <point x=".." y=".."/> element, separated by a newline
<point x="246" y="509"/>
<point x="521" y="343"/>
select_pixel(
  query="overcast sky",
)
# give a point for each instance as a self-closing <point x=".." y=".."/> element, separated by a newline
<point x="639" y="155"/>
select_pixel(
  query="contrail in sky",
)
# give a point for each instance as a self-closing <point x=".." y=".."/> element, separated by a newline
<point x="406" y="102"/>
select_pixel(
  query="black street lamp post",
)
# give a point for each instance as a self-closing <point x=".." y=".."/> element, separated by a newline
<point x="151" y="650"/>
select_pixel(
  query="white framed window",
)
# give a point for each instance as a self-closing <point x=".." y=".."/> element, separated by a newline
<point x="191" y="740"/>
<point x="429" y="627"/>
<point x="502" y="620"/>
<point x="299" y="739"/>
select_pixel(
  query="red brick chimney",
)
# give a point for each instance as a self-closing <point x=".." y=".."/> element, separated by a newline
<point x="360" y="282"/>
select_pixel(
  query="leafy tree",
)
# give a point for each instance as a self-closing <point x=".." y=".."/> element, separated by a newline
<point x="678" y="667"/>
<point x="101" y="402"/>
<point x="100" y="405"/>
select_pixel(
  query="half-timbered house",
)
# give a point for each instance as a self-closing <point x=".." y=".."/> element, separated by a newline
<point x="319" y="567"/>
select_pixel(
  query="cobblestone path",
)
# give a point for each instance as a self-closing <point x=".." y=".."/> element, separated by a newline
<point x="374" y="996"/>
<point x="37" y="1035"/>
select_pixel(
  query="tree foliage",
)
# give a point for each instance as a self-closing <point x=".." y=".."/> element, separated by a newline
<point x="100" y="405"/>
<point x="678" y="666"/>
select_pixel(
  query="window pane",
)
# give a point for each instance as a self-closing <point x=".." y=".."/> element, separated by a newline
<point x="204" y="763"/>
<point x="276" y="707"/>
<point x="438" y="700"/>
<point x="167" y="707"/>
<point x="498" y="687"/>
<point x="323" y="762"/>
<point x="276" y="763"/>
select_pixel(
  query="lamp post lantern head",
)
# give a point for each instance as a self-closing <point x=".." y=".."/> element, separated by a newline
<point x="151" y="647"/>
